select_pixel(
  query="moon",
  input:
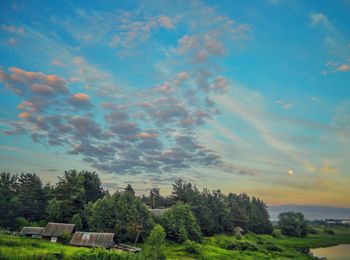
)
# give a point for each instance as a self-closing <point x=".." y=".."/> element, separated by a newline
<point x="290" y="172"/>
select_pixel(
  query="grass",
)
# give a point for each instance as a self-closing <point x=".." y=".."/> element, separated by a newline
<point x="222" y="246"/>
<point x="253" y="246"/>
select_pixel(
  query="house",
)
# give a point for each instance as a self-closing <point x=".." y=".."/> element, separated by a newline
<point x="158" y="212"/>
<point x="34" y="232"/>
<point x="92" y="239"/>
<point x="55" y="231"/>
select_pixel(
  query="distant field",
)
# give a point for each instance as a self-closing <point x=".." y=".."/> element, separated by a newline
<point x="222" y="246"/>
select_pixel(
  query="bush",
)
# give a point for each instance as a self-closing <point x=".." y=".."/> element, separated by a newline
<point x="154" y="244"/>
<point x="311" y="230"/>
<point x="180" y="224"/>
<point x="272" y="247"/>
<point x="276" y="234"/>
<point x="66" y="236"/>
<point x="192" y="247"/>
<point x="103" y="254"/>
<point x="329" y="231"/>
<point x="77" y="221"/>
<point x="241" y="246"/>
<point x="293" y="224"/>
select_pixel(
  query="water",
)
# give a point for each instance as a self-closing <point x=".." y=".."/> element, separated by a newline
<point x="340" y="252"/>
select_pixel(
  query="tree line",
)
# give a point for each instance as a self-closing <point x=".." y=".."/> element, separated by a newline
<point x="79" y="198"/>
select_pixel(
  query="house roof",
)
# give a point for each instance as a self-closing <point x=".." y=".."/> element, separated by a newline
<point x="239" y="229"/>
<point x="92" y="239"/>
<point x="57" y="229"/>
<point x="158" y="212"/>
<point x="32" y="231"/>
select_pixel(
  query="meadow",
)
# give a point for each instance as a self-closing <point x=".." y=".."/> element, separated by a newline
<point x="221" y="246"/>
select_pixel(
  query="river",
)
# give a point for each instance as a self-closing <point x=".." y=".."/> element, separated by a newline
<point x="339" y="252"/>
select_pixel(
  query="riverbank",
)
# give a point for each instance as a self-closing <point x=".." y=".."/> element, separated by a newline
<point x="253" y="246"/>
<point x="223" y="246"/>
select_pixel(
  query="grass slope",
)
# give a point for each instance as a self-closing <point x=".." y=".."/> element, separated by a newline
<point x="221" y="246"/>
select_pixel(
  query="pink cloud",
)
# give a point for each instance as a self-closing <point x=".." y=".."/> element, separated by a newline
<point x="81" y="97"/>
<point x="165" y="22"/>
<point x="344" y="68"/>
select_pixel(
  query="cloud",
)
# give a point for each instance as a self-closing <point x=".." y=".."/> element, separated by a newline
<point x="80" y="100"/>
<point x="136" y="132"/>
<point x="334" y="66"/>
<point x="285" y="104"/>
<point x="343" y="68"/>
<point x="166" y="22"/>
<point x="13" y="29"/>
<point x="58" y="63"/>
<point x="319" y="18"/>
<point x="24" y="115"/>
<point x="18" y="81"/>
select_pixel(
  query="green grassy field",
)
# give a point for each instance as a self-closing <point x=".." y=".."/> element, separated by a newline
<point x="222" y="246"/>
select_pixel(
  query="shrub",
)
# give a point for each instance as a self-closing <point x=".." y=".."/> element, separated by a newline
<point x="180" y="224"/>
<point x="192" y="247"/>
<point x="272" y="247"/>
<point x="276" y="234"/>
<point x="66" y="236"/>
<point x="78" y="221"/>
<point x="292" y="224"/>
<point x="329" y="231"/>
<point x="241" y="246"/>
<point x="154" y="244"/>
<point x="311" y="230"/>
<point x="104" y="254"/>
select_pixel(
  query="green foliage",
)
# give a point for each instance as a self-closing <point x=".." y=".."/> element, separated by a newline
<point x="31" y="196"/>
<point x="101" y="215"/>
<point x="131" y="217"/>
<point x="66" y="237"/>
<point x="21" y="222"/>
<point x="192" y="247"/>
<point x="8" y="200"/>
<point x="218" y="213"/>
<point x="311" y="230"/>
<point x="101" y="254"/>
<point x="122" y="213"/>
<point x="154" y="246"/>
<point x="180" y="224"/>
<point x="25" y="196"/>
<point x="329" y="231"/>
<point x="293" y="224"/>
<point x="54" y="211"/>
<point x="77" y="221"/>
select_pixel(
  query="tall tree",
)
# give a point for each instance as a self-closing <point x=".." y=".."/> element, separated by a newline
<point x="8" y="200"/>
<point x="32" y="197"/>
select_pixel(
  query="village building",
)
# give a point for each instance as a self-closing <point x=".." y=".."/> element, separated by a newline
<point x="34" y="232"/>
<point x="55" y="231"/>
<point x="158" y="212"/>
<point x="92" y="239"/>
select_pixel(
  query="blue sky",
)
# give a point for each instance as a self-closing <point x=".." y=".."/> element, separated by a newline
<point x="245" y="96"/>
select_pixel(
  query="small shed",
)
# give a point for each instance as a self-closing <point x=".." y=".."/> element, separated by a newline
<point x="55" y="231"/>
<point x="92" y="239"/>
<point x="238" y="230"/>
<point x="34" y="232"/>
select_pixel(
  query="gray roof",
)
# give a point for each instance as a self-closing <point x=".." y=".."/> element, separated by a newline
<point x="31" y="231"/>
<point x="158" y="212"/>
<point x="92" y="239"/>
<point x="57" y="229"/>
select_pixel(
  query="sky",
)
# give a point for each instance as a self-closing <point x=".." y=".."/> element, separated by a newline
<point x="241" y="96"/>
